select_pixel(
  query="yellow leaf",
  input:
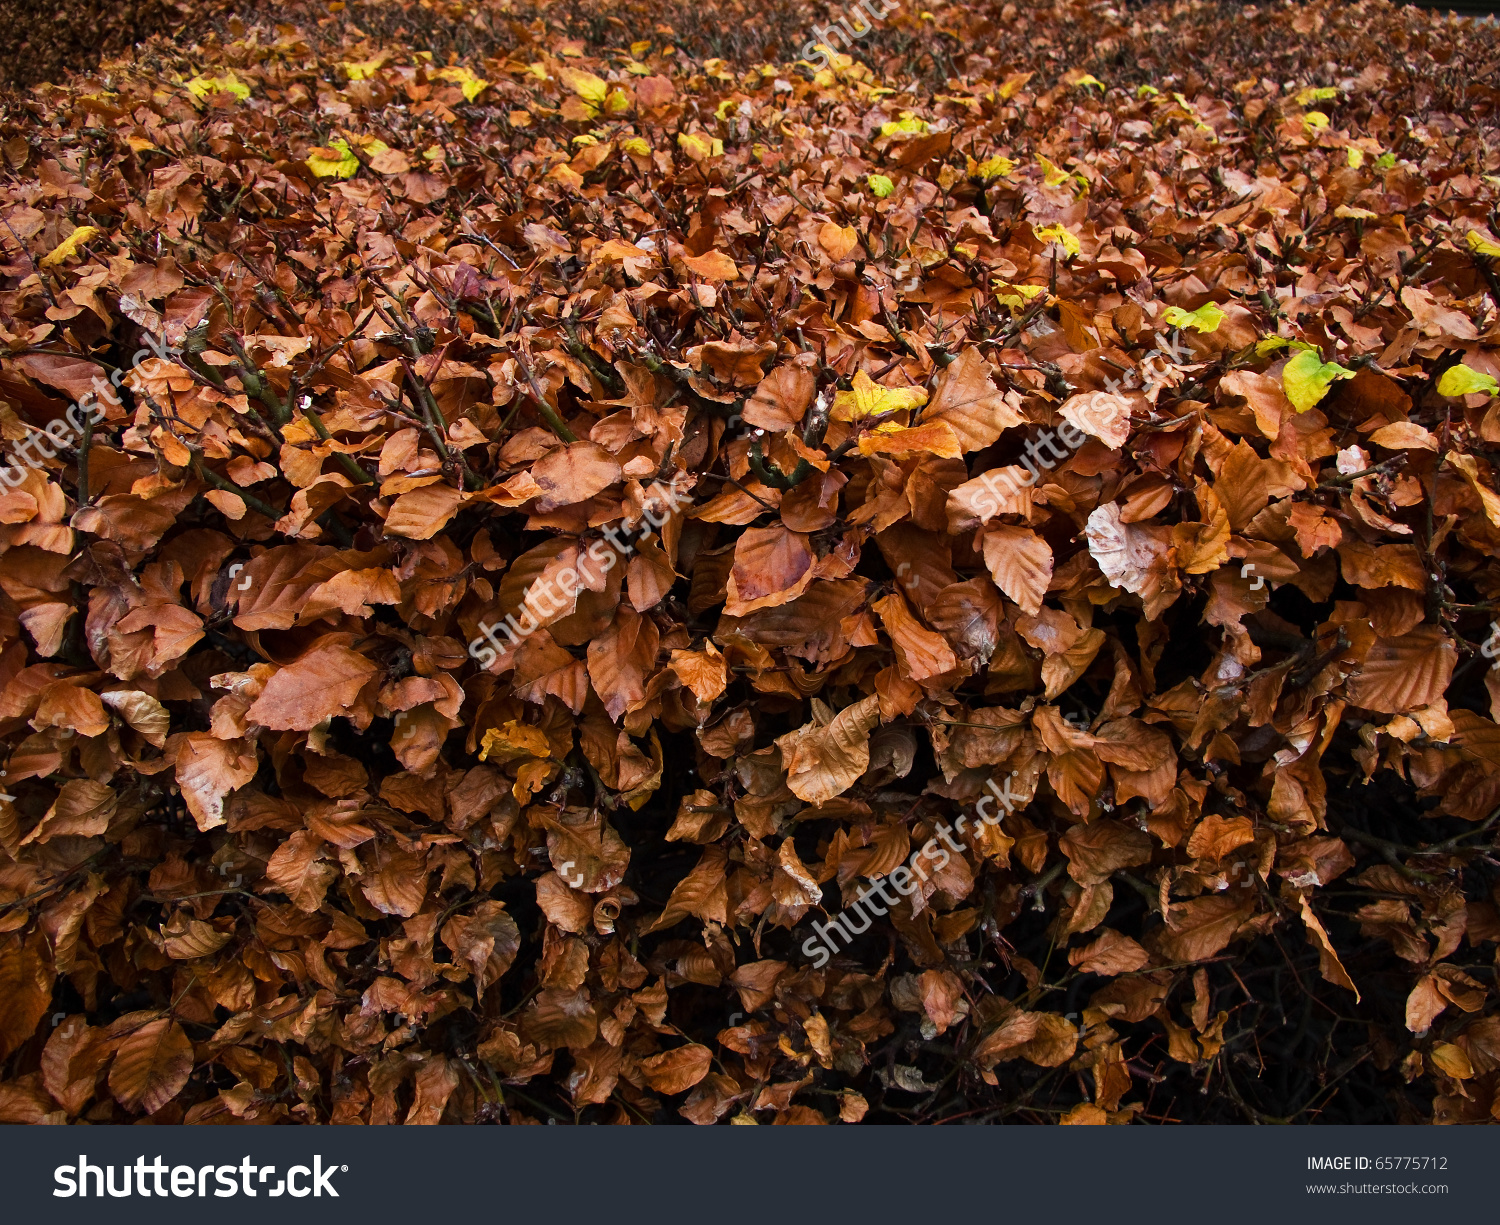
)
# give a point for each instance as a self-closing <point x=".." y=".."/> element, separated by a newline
<point x="1016" y="296"/>
<point x="1453" y="1060"/>
<point x="1315" y="120"/>
<point x="908" y="125"/>
<point x="1313" y="94"/>
<point x="1306" y="378"/>
<point x="1481" y="245"/>
<point x="201" y="86"/>
<point x="335" y="162"/>
<point x="1060" y="234"/>
<point x="869" y="399"/>
<point x="990" y="169"/>
<point x="471" y="85"/>
<point x="1205" y="319"/>
<point x="880" y="186"/>
<point x="363" y="70"/>
<point x="1013" y="84"/>
<point x="699" y="148"/>
<point x="69" y="245"/>
<point x="635" y="145"/>
<point x="1054" y="175"/>
<point x="1356" y="157"/>
<point x="586" y="85"/>
<point x="1088" y="79"/>
<point x="1464" y="380"/>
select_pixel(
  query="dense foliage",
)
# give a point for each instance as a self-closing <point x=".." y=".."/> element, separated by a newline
<point x="544" y="511"/>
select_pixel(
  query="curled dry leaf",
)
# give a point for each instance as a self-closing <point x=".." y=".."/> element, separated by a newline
<point x="824" y="757"/>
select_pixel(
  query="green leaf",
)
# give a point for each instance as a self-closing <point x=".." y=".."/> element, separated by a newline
<point x="1271" y="343"/>
<point x="1463" y="380"/>
<point x="1385" y="161"/>
<point x="1205" y="319"/>
<point x="880" y="186"/>
<point x="1307" y="378"/>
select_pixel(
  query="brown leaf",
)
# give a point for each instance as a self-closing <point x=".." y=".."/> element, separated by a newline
<point x="83" y="809"/>
<point x="422" y="513"/>
<point x="781" y="399"/>
<point x="151" y="1066"/>
<point x="299" y="869"/>
<point x="324" y="682"/>
<point x="677" y="1071"/>
<point x="620" y="660"/>
<point x="573" y="473"/>
<point x="700" y="893"/>
<point x="1020" y="562"/>
<point x="1109" y="954"/>
<point x="920" y="653"/>
<point x="1406" y="673"/>
<point x="1424" y="1004"/>
<point x="772" y="565"/>
<point x="968" y="402"/>
<point x="824" y="757"/>
<point x="25" y="988"/>
<point x="208" y="769"/>
<point x="1329" y="964"/>
<point x="1097" y="850"/>
<point x="1199" y="928"/>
